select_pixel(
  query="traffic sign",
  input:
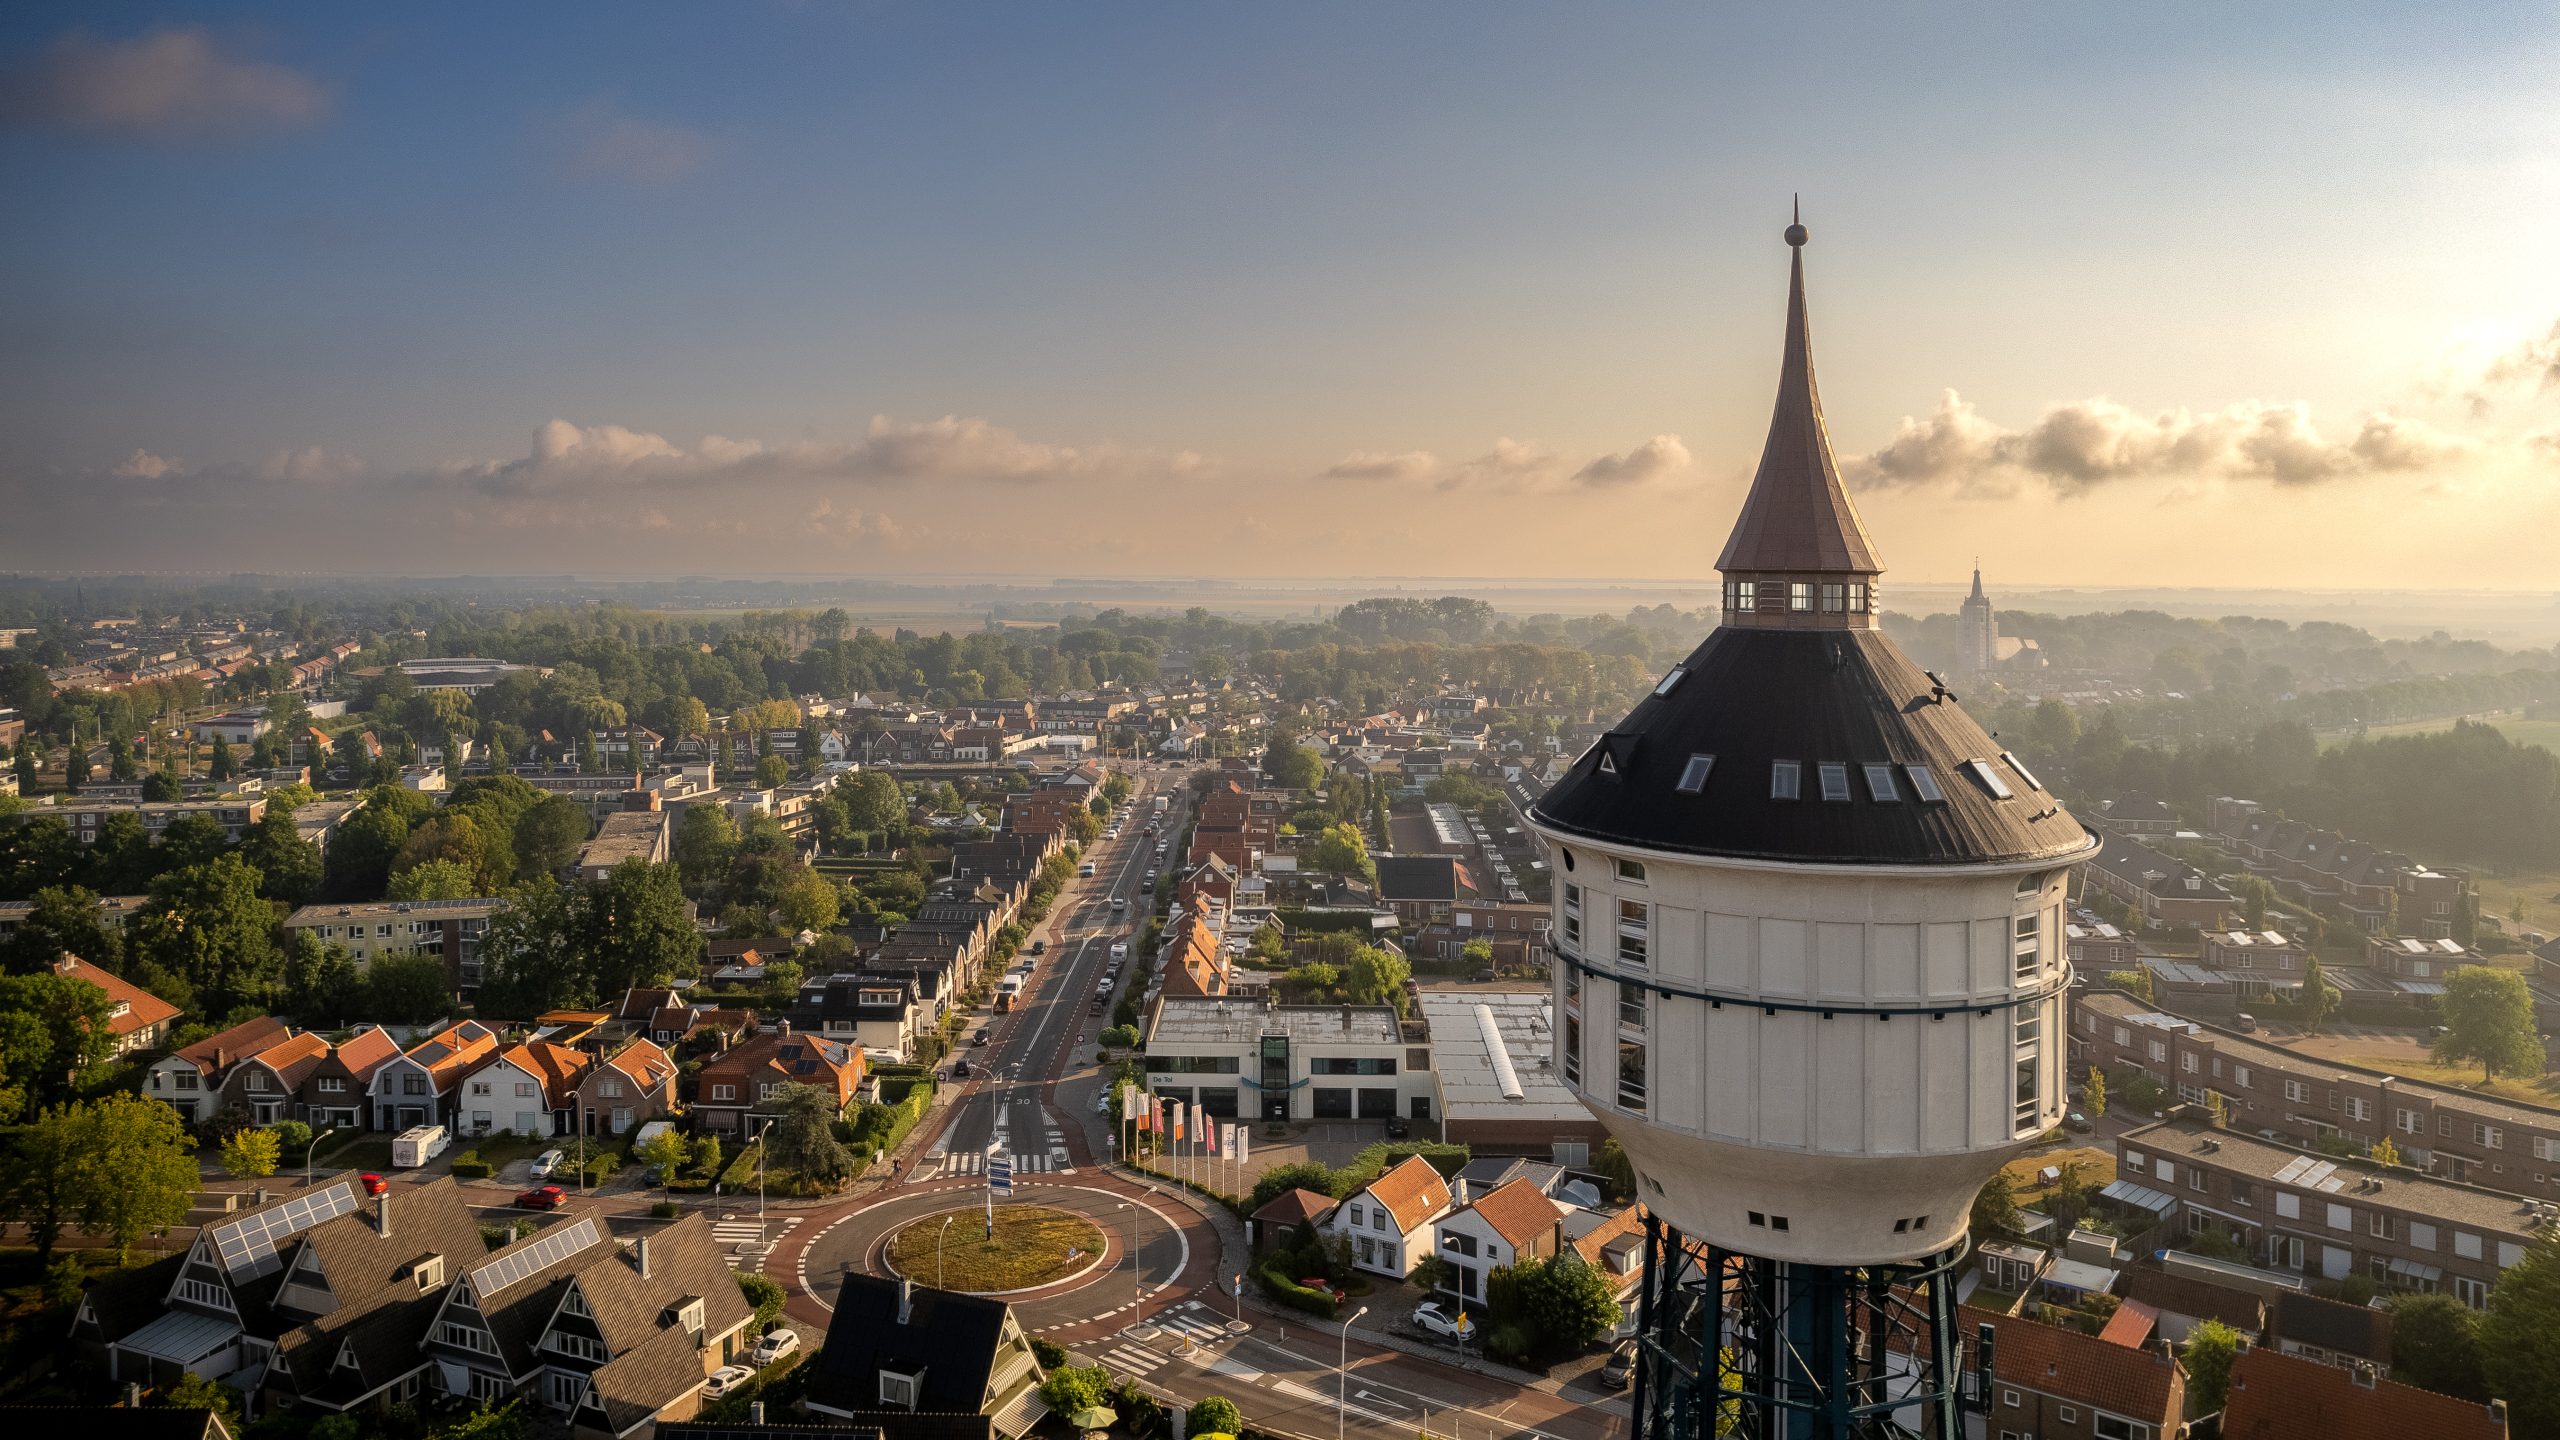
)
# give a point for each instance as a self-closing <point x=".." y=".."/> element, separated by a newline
<point x="1000" y="1174"/>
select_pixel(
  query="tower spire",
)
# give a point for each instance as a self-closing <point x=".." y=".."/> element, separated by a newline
<point x="1798" y="518"/>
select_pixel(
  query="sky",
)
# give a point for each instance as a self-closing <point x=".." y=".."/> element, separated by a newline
<point x="2177" y="295"/>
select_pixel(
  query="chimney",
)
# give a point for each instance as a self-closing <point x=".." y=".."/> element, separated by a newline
<point x="906" y="1300"/>
<point x="640" y="1251"/>
<point x="382" y="1215"/>
<point x="133" y="1395"/>
<point x="2168" y="1351"/>
<point x="258" y="1196"/>
<point x="755" y="1412"/>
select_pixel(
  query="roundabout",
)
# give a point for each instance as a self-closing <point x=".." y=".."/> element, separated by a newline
<point x="1032" y="1246"/>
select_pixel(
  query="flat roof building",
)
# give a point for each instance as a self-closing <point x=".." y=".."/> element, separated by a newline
<point x="1290" y="1062"/>
<point x="1492" y="1061"/>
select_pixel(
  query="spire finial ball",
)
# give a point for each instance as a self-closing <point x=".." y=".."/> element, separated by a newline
<point x="1796" y="236"/>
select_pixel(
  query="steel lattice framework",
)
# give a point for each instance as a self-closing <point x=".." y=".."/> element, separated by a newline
<point x="1731" y="1344"/>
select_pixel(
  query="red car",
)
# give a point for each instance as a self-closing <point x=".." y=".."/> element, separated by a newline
<point x="373" y="1184"/>
<point x="541" y="1197"/>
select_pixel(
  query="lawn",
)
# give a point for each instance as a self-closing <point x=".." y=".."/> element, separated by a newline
<point x="2510" y="723"/>
<point x="2545" y="1091"/>
<point x="1032" y="1244"/>
<point x="2538" y="889"/>
<point x="2097" y="1171"/>
<point x="355" y="1150"/>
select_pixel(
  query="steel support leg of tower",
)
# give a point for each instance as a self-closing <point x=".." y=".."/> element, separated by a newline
<point x="1732" y="1344"/>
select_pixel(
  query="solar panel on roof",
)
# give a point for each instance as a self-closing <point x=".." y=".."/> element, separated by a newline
<point x="2320" y="1170"/>
<point x="253" y="1245"/>
<point x="2292" y="1168"/>
<point x="553" y="1246"/>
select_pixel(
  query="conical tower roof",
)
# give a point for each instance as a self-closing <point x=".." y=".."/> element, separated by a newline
<point x="1798" y="518"/>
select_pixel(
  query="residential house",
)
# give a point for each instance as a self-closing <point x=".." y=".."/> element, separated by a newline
<point x="357" y="1296"/>
<point x="2164" y="890"/>
<point x="267" y="1086"/>
<point x="2275" y="1396"/>
<point x="2179" y="1303"/>
<point x="423" y="1086"/>
<point x="1276" y="1223"/>
<point x="882" y="1012"/>
<point x="743" y="1078"/>
<point x="2097" y="949"/>
<point x="1388" y="1222"/>
<point x="335" y="1091"/>
<point x="1192" y="964"/>
<point x="2049" y="1383"/>
<point x="925" y="1364"/>
<point x="529" y="1088"/>
<point x="191" y="1079"/>
<point x="236" y="814"/>
<point x="1506" y="1226"/>
<point x="632" y="1086"/>
<point x="136" y="1017"/>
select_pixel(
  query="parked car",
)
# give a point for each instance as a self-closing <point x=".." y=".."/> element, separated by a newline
<point x="1102" y="1102"/>
<point x="1437" y="1318"/>
<point x="1620" y="1367"/>
<point x="775" y="1345"/>
<point x="546" y="1162"/>
<point x="726" y="1379"/>
<point x="373" y="1184"/>
<point x="2077" y="1123"/>
<point x="654" y="1175"/>
<point x="541" y="1197"/>
<point x="961" y="1069"/>
<point x="980" y="1039"/>
<point x="1397" y="1129"/>
<point x="1039" y="947"/>
<point x="2245" y="1024"/>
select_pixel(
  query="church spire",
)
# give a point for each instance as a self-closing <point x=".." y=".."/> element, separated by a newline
<point x="1977" y="580"/>
<point x="1798" y="519"/>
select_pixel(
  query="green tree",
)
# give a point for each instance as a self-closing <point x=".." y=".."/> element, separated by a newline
<point x="2094" y="1097"/>
<point x="195" y="1392"/>
<point x="1995" y="1209"/>
<point x="322" y="986"/>
<point x="2488" y="1018"/>
<point x="1342" y="850"/>
<point x="2317" y="1000"/>
<point x="64" y="920"/>
<point x="2384" y="1152"/>
<point x="1071" y="1388"/>
<point x="1377" y="976"/>
<point x="192" y="839"/>
<point x="874" y="802"/>
<point x="53" y="1036"/>
<point x="2520" y="1337"/>
<point x="808" y="900"/>
<point x="251" y="1154"/>
<point x="288" y="864"/>
<point x="2137" y="981"/>
<point x="1212" y="1415"/>
<point x="41" y="1186"/>
<point x="802" y="1140"/>
<point x="2435" y="1345"/>
<point x="1297" y="1175"/>
<point x="1566" y="1301"/>
<point x="407" y="990"/>
<point x="772" y="773"/>
<point x="665" y="1150"/>
<point x="1293" y="766"/>
<point x="763" y="1293"/>
<point x="360" y="853"/>
<point x="639" y="930"/>
<point x="705" y="841"/>
<point x="433" y="880"/>
<point x="144" y="1173"/>
<point x="548" y="834"/>
<point x="220" y="767"/>
<point x="207" y="925"/>
<point x="530" y="957"/>
<point x="2211" y="1348"/>
<point x="1613" y="1165"/>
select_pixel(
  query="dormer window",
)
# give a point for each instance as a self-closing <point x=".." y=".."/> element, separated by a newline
<point x="429" y="1273"/>
<point x="1800" y="597"/>
<point x="898" y="1392"/>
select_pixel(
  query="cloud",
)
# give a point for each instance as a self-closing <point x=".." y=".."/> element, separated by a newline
<point x="1376" y="465"/>
<point x="2531" y="363"/>
<point x="599" y="140"/>
<point x="2075" y="447"/>
<point x="143" y="465"/>
<point x="567" y="457"/>
<point x="171" y="85"/>
<point x="852" y="523"/>
<point x="1662" y="455"/>
<point x="312" y="465"/>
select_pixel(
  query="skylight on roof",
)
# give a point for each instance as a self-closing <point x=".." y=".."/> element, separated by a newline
<point x="1784" y="777"/>
<point x="2023" y="772"/>
<point x="1693" y="776"/>
<point x="1671" y="680"/>
<point x="1835" y="782"/>
<point x="1880" y="785"/>
<point x="1924" y="784"/>
<point x="1990" y="779"/>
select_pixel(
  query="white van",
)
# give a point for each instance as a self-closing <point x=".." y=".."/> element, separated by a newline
<point x="1119" y="902"/>
<point x="1119" y="951"/>
<point x="1085" y="870"/>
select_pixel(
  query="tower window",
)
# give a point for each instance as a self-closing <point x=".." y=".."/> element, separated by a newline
<point x="1924" y="784"/>
<point x="1742" y="594"/>
<point x="1671" y="680"/>
<point x="1858" y="594"/>
<point x="1835" y="597"/>
<point x="1693" y="776"/>
<point x="1631" y="871"/>
<point x="1880" y="785"/>
<point x="1800" y="596"/>
<point x="1631" y="1075"/>
<point x="1784" y="777"/>
<point x="1835" y="782"/>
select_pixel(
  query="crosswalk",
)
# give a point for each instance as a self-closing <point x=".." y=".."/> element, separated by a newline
<point x="1192" y="1322"/>
<point x="972" y="1162"/>
<point x="749" y="1232"/>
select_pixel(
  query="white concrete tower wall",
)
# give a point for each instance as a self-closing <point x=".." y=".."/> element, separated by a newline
<point x="1821" y="1064"/>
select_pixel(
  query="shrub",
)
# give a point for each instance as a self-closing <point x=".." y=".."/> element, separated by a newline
<point x="667" y="1210"/>
<point x="1213" y="1415"/>
<point x="1508" y="1342"/>
<point x="763" y="1293"/>
<point x="1070" y="1388"/>
<point x="469" y="1166"/>
<point x="602" y="1164"/>
<point x="1278" y="1285"/>
<point x="1049" y="1354"/>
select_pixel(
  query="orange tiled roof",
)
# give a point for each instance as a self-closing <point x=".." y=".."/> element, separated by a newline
<point x="141" y="1007"/>
<point x="362" y="1053"/>
<point x="295" y="1059"/>
<point x="2285" y="1397"/>
<point x="644" y="1062"/>
<point x="1594" y="1245"/>
<point x="1518" y="1211"/>
<point x="219" y="1052"/>
<point x="1413" y="1192"/>
<point x="1291" y="1207"/>
<point x="557" y="1066"/>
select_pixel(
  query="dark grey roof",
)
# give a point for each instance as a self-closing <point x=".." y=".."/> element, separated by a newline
<point x="1750" y="697"/>
<point x="1417" y="877"/>
<point x="2357" y="1330"/>
<point x="749" y="1430"/>
<point x="116" y="1422"/>
<point x="2141" y="866"/>
<point x="957" y="1334"/>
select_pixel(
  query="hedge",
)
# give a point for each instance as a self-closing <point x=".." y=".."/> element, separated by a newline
<point x="469" y="1166"/>
<point x="884" y="1127"/>
<point x="1289" y="1292"/>
<point x="741" y="1173"/>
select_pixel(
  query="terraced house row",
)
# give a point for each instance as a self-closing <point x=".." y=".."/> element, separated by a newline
<point x="2274" y="1092"/>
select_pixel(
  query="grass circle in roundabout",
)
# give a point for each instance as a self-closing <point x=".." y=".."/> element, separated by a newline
<point x="1033" y="1245"/>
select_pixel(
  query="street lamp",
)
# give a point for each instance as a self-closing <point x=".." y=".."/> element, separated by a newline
<point x="763" y="1163"/>
<point x="308" y="1149"/>
<point x="1342" y="1375"/>
<point x="937" y="1249"/>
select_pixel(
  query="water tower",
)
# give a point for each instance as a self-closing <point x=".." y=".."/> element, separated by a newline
<point x="1810" y="974"/>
